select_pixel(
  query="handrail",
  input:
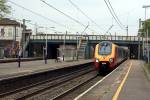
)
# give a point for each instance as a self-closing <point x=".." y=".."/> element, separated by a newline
<point x="91" y="37"/>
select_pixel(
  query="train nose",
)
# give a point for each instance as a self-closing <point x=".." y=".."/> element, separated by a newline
<point x="104" y="66"/>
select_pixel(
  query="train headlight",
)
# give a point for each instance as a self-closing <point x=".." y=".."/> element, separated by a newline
<point x="111" y="60"/>
<point x="96" y="60"/>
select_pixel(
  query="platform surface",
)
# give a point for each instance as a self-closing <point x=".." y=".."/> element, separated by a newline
<point x="135" y="87"/>
<point x="12" y="69"/>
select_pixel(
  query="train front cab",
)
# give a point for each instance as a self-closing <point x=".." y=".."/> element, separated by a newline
<point x="104" y="62"/>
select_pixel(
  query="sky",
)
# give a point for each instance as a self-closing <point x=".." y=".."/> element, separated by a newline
<point x="128" y="12"/>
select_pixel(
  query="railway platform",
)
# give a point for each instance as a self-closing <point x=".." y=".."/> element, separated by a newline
<point x="9" y="70"/>
<point x="9" y="60"/>
<point x="127" y="82"/>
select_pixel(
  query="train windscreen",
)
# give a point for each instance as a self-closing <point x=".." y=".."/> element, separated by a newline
<point x="105" y="48"/>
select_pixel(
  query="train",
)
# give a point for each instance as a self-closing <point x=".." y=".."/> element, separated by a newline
<point x="108" y="55"/>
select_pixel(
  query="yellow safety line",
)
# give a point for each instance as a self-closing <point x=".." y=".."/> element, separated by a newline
<point x="115" y="97"/>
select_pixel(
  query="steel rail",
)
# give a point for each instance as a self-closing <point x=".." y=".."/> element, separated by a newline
<point x="42" y="84"/>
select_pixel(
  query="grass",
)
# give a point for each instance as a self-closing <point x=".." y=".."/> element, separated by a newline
<point x="147" y="66"/>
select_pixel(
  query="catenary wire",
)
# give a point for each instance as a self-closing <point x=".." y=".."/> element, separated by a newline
<point x="66" y="15"/>
<point x="85" y="14"/>
<point x="113" y="14"/>
<point x="35" y="13"/>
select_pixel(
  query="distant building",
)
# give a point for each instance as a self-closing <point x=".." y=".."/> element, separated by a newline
<point x="10" y="28"/>
<point x="10" y="36"/>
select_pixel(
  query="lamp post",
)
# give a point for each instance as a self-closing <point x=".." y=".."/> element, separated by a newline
<point x="77" y="35"/>
<point x="46" y="44"/>
<point x="146" y="6"/>
<point x="64" y="45"/>
<point x="127" y="30"/>
<point x="44" y="47"/>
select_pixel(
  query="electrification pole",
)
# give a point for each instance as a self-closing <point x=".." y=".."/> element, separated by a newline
<point x="23" y="37"/>
<point x="139" y="39"/>
<point x="46" y="47"/>
<point x="127" y="30"/>
<point x="64" y="45"/>
<point x="147" y="47"/>
<point x="146" y="35"/>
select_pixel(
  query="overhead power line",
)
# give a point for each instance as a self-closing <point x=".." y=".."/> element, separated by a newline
<point x="65" y="14"/>
<point x="35" y="13"/>
<point x="85" y="29"/>
<point x="33" y="24"/>
<point x="85" y="14"/>
<point x="113" y="15"/>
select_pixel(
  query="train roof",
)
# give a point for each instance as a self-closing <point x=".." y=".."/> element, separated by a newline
<point x="124" y="47"/>
<point x="107" y="42"/>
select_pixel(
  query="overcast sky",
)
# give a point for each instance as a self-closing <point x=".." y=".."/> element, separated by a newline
<point x="128" y="11"/>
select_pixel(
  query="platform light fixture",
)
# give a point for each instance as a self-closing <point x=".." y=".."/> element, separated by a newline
<point x="46" y="44"/>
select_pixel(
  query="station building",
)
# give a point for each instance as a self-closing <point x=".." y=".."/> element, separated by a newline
<point x="10" y="37"/>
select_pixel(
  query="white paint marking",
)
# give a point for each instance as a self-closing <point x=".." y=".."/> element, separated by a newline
<point x="79" y="96"/>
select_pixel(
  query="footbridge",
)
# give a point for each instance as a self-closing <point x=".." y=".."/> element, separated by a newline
<point x="54" y="41"/>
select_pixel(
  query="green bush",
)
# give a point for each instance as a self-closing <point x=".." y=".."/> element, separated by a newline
<point x="147" y="67"/>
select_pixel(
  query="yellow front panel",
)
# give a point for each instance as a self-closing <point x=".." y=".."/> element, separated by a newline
<point x="104" y="58"/>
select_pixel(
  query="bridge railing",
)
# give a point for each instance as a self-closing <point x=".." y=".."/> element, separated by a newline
<point x="90" y="37"/>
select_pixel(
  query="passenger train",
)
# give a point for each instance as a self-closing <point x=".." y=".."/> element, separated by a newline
<point x="108" y="55"/>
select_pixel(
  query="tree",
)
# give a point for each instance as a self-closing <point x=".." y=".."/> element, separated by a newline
<point x="145" y="27"/>
<point x="4" y="8"/>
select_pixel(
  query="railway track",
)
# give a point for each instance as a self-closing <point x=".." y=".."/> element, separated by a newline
<point x="57" y="86"/>
<point x="65" y="88"/>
